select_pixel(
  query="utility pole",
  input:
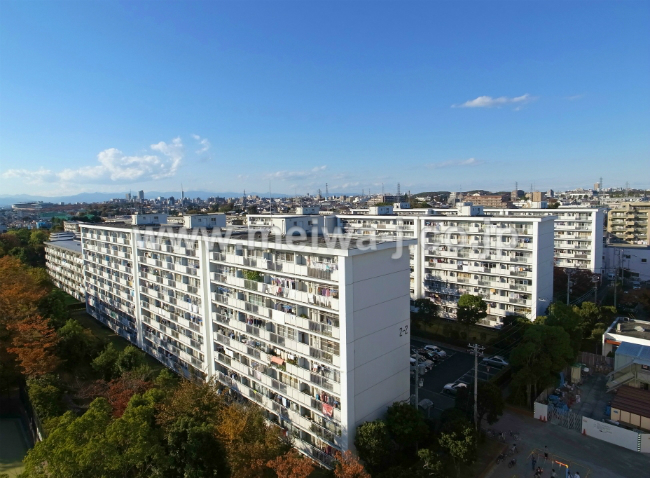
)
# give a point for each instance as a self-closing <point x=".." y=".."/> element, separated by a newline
<point x="616" y="274"/>
<point x="477" y="350"/>
<point x="417" y="379"/>
<point x="568" y="272"/>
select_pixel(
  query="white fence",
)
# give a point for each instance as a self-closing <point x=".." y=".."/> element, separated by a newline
<point x="616" y="435"/>
<point x="541" y="411"/>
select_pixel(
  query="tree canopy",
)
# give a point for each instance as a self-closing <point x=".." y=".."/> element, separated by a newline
<point x="471" y="309"/>
<point x="542" y="353"/>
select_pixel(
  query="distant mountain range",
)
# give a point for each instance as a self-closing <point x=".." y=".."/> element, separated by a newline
<point x="6" y="199"/>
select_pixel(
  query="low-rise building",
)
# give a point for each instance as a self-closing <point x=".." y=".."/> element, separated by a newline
<point x="631" y="367"/>
<point x="631" y="407"/>
<point x="624" y="329"/>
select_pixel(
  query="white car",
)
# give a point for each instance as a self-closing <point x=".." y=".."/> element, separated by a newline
<point x="435" y="350"/>
<point x="453" y="388"/>
<point x="496" y="361"/>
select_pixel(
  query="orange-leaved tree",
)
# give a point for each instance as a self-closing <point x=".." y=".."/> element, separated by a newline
<point x="34" y="342"/>
<point x="248" y="441"/>
<point x="348" y="466"/>
<point x="20" y="291"/>
<point x="118" y="391"/>
<point x="291" y="465"/>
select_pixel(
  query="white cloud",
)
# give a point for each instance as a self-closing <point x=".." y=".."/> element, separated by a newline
<point x="489" y="102"/>
<point x="287" y="175"/>
<point x="203" y="143"/>
<point x="30" y="177"/>
<point x="454" y="162"/>
<point x="113" y="165"/>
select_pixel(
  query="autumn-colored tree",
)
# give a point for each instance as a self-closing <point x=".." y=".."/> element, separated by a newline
<point x="249" y="442"/>
<point x="118" y="391"/>
<point x="348" y="466"/>
<point x="34" y="342"/>
<point x="195" y="400"/>
<point x="20" y="291"/>
<point x="291" y="465"/>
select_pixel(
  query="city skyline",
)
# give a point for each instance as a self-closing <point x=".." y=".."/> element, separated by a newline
<point x="224" y="97"/>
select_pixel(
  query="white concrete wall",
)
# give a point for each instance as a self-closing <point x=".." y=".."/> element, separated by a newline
<point x="543" y="259"/>
<point x="610" y="433"/>
<point x="377" y="334"/>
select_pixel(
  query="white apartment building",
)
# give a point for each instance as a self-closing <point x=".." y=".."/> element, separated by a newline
<point x="315" y="332"/>
<point x="579" y="234"/>
<point x="508" y="261"/>
<point x="65" y="264"/>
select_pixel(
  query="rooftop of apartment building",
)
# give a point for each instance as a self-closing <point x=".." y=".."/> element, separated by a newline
<point x="633" y="328"/>
<point x="248" y="235"/>
<point x="71" y="245"/>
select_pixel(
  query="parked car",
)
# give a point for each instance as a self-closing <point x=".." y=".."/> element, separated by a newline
<point x="430" y="355"/>
<point x="420" y="358"/>
<point x="495" y="361"/>
<point x="436" y="350"/>
<point x="452" y="388"/>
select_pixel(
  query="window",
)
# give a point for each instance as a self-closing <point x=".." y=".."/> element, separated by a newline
<point x="644" y="260"/>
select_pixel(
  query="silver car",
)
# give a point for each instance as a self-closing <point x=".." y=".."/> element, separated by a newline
<point x="495" y="361"/>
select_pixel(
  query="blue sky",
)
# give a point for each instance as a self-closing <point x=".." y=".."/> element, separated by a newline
<point x="227" y="96"/>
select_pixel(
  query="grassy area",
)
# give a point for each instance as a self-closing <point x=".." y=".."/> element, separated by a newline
<point x="13" y="446"/>
<point x="69" y="300"/>
<point x="104" y="333"/>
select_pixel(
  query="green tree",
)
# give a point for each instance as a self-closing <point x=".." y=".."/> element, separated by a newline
<point x="374" y="445"/>
<point x="45" y="395"/>
<point x="427" y="310"/>
<point x="542" y="353"/>
<point x="194" y="450"/>
<point x="561" y="315"/>
<point x="76" y="343"/>
<point x="129" y="359"/>
<point x="74" y="448"/>
<point x="133" y="443"/>
<point x="433" y="463"/>
<point x="460" y="446"/>
<point x="105" y="362"/>
<point x="471" y="309"/>
<point x="38" y="237"/>
<point x="53" y="306"/>
<point x="490" y="402"/>
<point x="406" y="425"/>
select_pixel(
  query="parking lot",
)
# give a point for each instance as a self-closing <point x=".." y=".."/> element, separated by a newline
<point x="457" y="366"/>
